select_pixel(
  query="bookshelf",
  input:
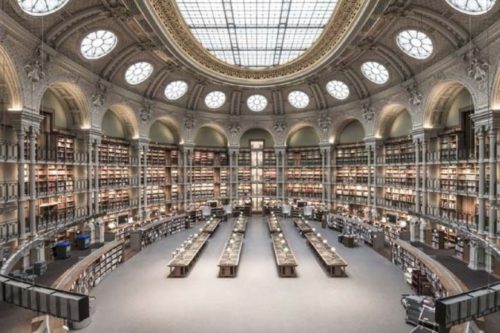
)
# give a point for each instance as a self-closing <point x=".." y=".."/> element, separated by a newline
<point x="399" y="151"/>
<point x="210" y="175"/>
<point x="93" y="268"/>
<point x="348" y="155"/>
<point x="114" y="151"/>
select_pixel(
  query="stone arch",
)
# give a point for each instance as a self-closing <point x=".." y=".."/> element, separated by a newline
<point x="301" y="126"/>
<point x="439" y="98"/>
<point x="251" y="128"/>
<point x="495" y="93"/>
<point x="127" y="115"/>
<point x="10" y="77"/>
<point x="170" y="123"/>
<point x="387" y="116"/>
<point x="339" y="127"/>
<point x="75" y="99"/>
<point x="214" y="126"/>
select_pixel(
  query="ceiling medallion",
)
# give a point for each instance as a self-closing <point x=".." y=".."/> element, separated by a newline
<point x="167" y="21"/>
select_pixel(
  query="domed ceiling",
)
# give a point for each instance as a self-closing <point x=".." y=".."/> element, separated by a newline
<point x="255" y="43"/>
<point x="249" y="57"/>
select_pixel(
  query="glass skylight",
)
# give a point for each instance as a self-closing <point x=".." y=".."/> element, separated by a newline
<point x="257" y="103"/>
<point x="175" y="90"/>
<point x="338" y="89"/>
<point x="472" y="7"/>
<point x="298" y="99"/>
<point x="257" y="33"/>
<point x="415" y="43"/>
<point x="138" y="72"/>
<point x="375" y="72"/>
<point x="215" y="99"/>
<point x="41" y="7"/>
<point x="97" y="44"/>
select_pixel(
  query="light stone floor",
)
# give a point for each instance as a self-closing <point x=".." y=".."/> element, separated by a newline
<point x="138" y="296"/>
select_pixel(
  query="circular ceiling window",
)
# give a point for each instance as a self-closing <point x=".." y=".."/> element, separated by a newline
<point x="41" y="7"/>
<point x="175" y="90"/>
<point x="257" y="103"/>
<point x="415" y="43"/>
<point x="375" y="72"/>
<point x="138" y="72"/>
<point x="472" y="7"/>
<point x="338" y="89"/>
<point x="298" y="99"/>
<point x="97" y="44"/>
<point x="215" y="99"/>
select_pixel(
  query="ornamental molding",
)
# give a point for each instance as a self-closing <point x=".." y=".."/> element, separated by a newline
<point x="280" y="125"/>
<point x="99" y="95"/>
<point x="146" y="110"/>
<point x="234" y="127"/>
<point x="415" y="95"/>
<point x="367" y="111"/>
<point x="477" y="67"/>
<point x="170" y="23"/>
<point x="324" y="122"/>
<point x="35" y="68"/>
<point x="189" y="121"/>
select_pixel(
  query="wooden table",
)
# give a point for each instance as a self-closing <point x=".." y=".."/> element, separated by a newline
<point x="273" y="225"/>
<point x="183" y="261"/>
<point x="333" y="262"/>
<point x="285" y="259"/>
<point x="211" y="226"/>
<point x="240" y="226"/>
<point x="302" y="226"/>
<point x="230" y="257"/>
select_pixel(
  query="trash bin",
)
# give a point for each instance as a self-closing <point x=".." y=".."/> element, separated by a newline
<point x="62" y="249"/>
<point x="83" y="241"/>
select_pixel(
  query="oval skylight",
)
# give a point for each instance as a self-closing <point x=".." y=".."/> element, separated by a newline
<point x="472" y="7"/>
<point x="415" y="43"/>
<point x="375" y="72"/>
<point x="215" y="99"/>
<point x="98" y="43"/>
<point x="41" y="7"/>
<point x="338" y="89"/>
<point x="258" y="33"/>
<point x="298" y="99"/>
<point x="257" y="103"/>
<point x="175" y="90"/>
<point x="138" y="72"/>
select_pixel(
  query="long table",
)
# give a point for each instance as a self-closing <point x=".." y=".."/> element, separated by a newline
<point x="240" y="225"/>
<point x="211" y="226"/>
<point x="184" y="260"/>
<point x="272" y="223"/>
<point x="285" y="259"/>
<point x="333" y="262"/>
<point x="230" y="257"/>
<point x="302" y="226"/>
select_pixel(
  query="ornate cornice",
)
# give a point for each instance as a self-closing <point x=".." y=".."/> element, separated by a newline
<point x="165" y="14"/>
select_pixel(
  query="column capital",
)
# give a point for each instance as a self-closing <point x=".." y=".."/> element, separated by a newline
<point x="24" y="120"/>
<point x="91" y="135"/>
<point x="141" y="143"/>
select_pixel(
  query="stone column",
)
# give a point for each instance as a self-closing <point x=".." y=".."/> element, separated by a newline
<point x="369" y="183"/>
<point x="417" y="177"/>
<point x="96" y="178"/>
<point x="413" y="229"/>
<point x="141" y="179"/>
<point x="473" y="255"/>
<point x="492" y="218"/>
<point x="90" y="211"/>
<point x="481" y="166"/>
<point x="281" y="172"/>
<point x="424" y="207"/>
<point x="20" y="176"/>
<point x="145" y="150"/>
<point x="32" y="202"/>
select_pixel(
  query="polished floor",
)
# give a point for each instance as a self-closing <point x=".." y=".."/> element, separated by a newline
<point x="138" y="296"/>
